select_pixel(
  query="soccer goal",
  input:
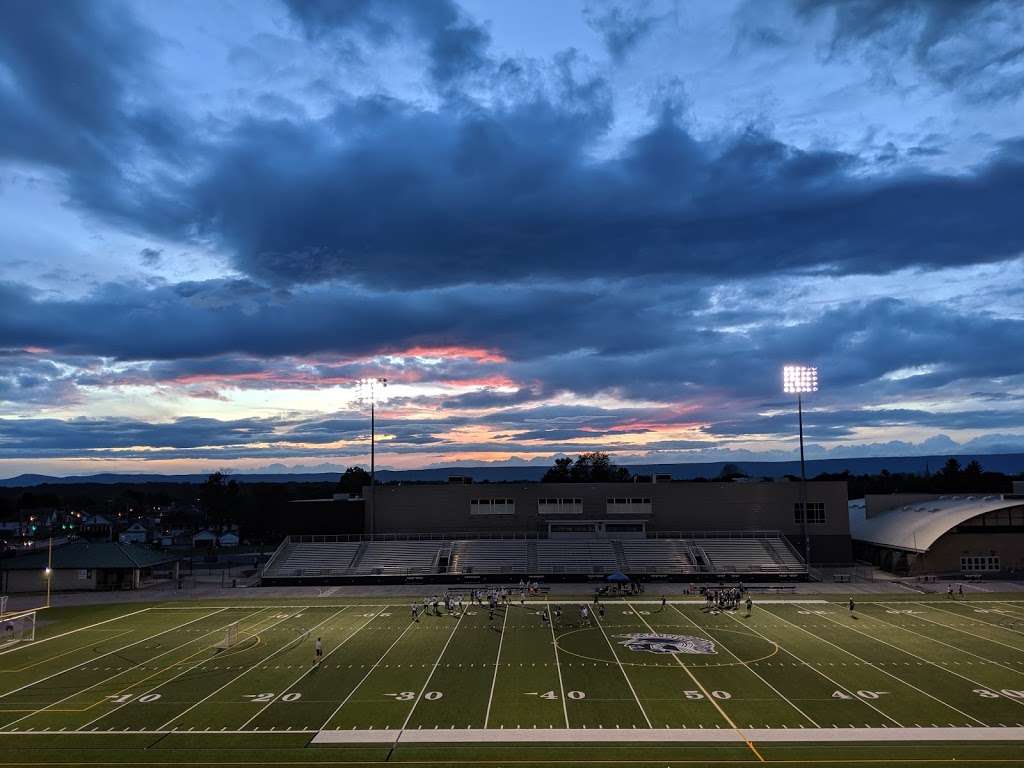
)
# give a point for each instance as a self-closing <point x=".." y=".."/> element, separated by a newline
<point x="230" y="637"/>
<point x="18" y="628"/>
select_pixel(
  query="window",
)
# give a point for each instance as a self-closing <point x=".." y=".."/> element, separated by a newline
<point x="559" y="506"/>
<point x="979" y="563"/>
<point x="815" y="513"/>
<point x="636" y="506"/>
<point x="492" y="506"/>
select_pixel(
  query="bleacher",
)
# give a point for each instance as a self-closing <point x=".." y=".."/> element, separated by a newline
<point x="575" y="556"/>
<point x="488" y="556"/>
<point x="746" y="555"/>
<point x="316" y="559"/>
<point x="658" y="556"/>
<point x="397" y="557"/>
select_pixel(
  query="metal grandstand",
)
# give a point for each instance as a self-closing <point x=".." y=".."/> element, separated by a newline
<point x="706" y="555"/>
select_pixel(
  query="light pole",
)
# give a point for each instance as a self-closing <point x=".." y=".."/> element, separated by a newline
<point x="49" y="572"/>
<point x="372" y="384"/>
<point x="800" y="380"/>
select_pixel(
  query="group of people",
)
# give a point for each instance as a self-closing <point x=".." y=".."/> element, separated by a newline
<point x="951" y="595"/>
<point x="726" y="598"/>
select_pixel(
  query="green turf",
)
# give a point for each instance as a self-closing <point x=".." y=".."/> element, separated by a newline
<point x="145" y="684"/>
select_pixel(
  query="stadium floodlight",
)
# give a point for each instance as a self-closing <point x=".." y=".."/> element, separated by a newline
<point x="800" y="380"/>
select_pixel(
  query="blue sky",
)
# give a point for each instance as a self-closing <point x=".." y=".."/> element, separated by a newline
<point x="554" y="226"/>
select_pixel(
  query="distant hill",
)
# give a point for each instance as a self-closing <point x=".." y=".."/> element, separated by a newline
<point x="1008" y="463"/>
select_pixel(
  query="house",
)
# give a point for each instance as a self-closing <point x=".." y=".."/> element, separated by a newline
<point x="84" y="565"/>
<point x="204" y="539"/>
<point x="136" y="533"/>
<point x="96" y="527"/>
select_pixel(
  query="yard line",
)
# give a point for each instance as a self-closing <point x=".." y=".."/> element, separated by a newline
<point x="312" y="667"/>
<point x="370" y="672"/>
<point x="978" y="621"/>
<point x="921" y="658"/>
<point x="171" y="679"/>
<point x="430" y="676"/>
<point x="838" y="685"/>
<point x="558" y="666"/>
<point x="34" y="643"/>
<point x="250" y="668"/>
<point x="877" y="668"/>
<point x="706" y="692"/>
<point x="48" y="659"/>
<point x="109" y="653"/>
<point x="747" y="666"/>
<point x="964" y="631"/>
<point x="622" y="668"/>
<point x="497" y="665"/>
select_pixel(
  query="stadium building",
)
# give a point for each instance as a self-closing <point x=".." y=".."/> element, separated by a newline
<point x="918" y="534"/>
<point x="570" y="531"/>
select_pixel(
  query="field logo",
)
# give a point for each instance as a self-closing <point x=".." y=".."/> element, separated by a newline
<point x="658" y="643"/>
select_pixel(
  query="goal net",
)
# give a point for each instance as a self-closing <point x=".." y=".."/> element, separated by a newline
<point x="230" y="636"/>
<point x="18" y="628"/>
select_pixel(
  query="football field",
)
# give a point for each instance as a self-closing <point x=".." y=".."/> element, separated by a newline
<point x="800" y="681"/>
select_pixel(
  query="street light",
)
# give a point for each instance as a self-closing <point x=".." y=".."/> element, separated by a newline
<point x="800" y="380"/>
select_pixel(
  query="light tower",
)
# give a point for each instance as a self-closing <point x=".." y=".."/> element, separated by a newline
<point x="800" y="380"/>
<point x="371" y="385"/>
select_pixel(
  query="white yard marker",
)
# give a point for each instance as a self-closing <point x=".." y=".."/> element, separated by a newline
<point x="777" y="692"/>
<point x="981" y="621"/>
<point x="497" y="665"/>
<point x="70" y="632"/>
<point x="314" y="666"/>
<point x="430" y="676"/>
<point x="370" y="672"/>
<point x="709" y="697"/>
<point x="108" y="653"/>
<point x="622" y="668"/>
<point x="186" y="670"/>
<point x="921" y="658"/>
<point x="558" y="667"/>
<point x="954" y="647"/>
<point x="290" y="644"/>
<point x="879" y="669"/>
<point x="848" y="691"/>
<point x="111" y="652"/>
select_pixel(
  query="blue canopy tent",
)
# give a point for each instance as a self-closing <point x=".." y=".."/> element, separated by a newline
<point x="619" y="577"/>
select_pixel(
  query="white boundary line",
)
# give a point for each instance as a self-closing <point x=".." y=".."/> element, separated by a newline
<point x="34" y="643"/>
<point x="558" y="667"/>
<point x="162" y="683"/>
<point x="780" y="694"/>
<point x="296" y="681"/>
<point x="921" y="658"/>
<point x="494" y="736"/>
<point x="288" y="645"/>
<point x="839" y="686"/>
<point x="109" y="653"/>
<point x="363" y="680"/>
<point x="497" y="666"/>
<point x="879" y="669"/>
<point x="622" y="668"/>
<point x="430" y="676"/>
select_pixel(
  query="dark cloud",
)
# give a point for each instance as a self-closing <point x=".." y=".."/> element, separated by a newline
<point x="150" y="256"/>
<point x="971" y="46"/>
<point x="397" y="197"/>
<point x="621" y="26"/>
<point x="455" y="45"/>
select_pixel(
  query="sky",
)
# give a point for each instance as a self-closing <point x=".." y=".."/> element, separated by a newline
<point x="554" y="226"/>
